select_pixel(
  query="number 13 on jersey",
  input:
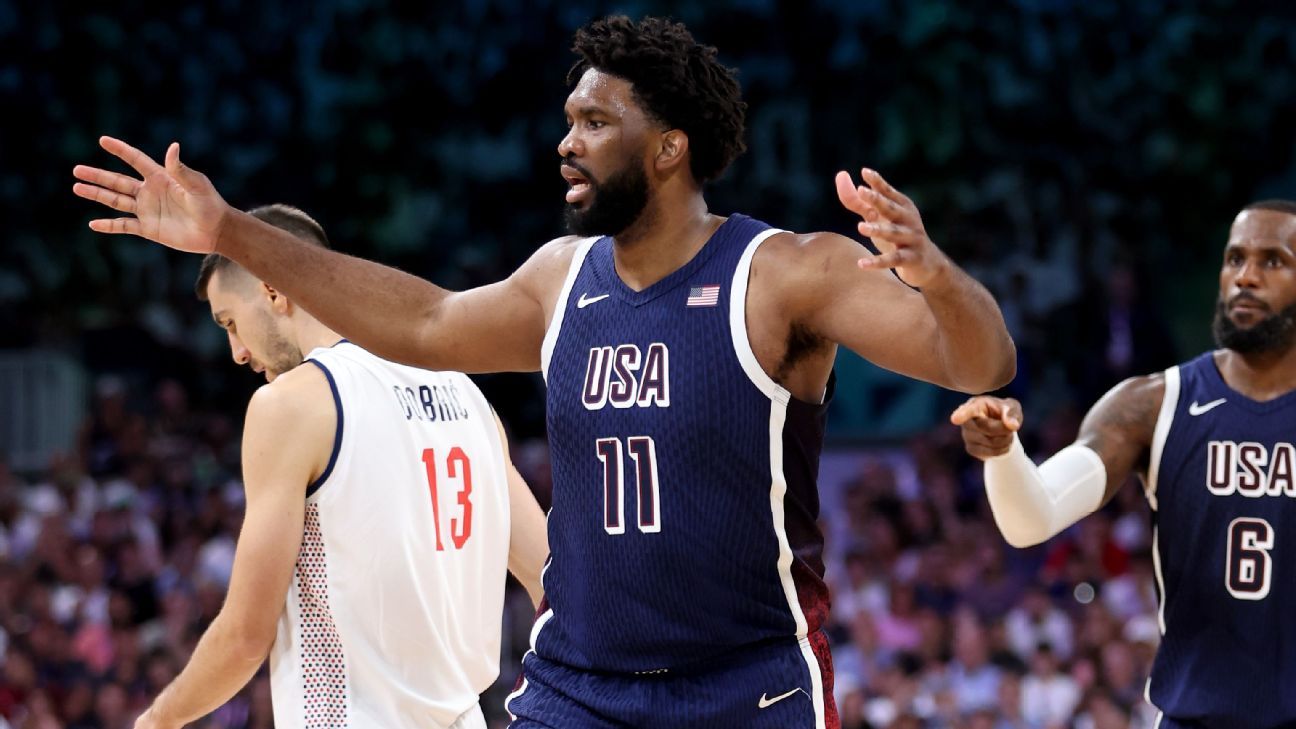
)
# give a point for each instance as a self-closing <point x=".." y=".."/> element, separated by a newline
<point x="457" y="467"/>
<point x="643" y="454"/>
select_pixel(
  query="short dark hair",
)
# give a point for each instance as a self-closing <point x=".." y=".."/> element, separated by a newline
<point x="284" y="217"/>
<point x="676" y="79"/>
<point x="1277" y="206"/>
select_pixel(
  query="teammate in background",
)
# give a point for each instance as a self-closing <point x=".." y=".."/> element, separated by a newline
<point x="382" y="510"/>
<point x="1213" y="441"/>
<point x="688" y="359"/>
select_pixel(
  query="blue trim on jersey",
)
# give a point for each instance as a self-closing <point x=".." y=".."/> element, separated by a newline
<point x="337" y="435"/>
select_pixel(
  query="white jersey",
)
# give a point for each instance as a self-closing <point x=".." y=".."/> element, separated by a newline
<point x="393" y="617"/>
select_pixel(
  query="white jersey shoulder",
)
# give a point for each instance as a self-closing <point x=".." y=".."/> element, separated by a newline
<point x="393" y="616"/>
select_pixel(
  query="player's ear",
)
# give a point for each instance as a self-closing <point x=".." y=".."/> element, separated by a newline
<point x="278" y="302"/>
<point x="673" y="150"/>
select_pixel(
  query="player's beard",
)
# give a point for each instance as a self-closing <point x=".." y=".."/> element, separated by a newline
<point x="615" y="205"/>
<point x="1274" y="333"/>
<point x="281" y="354"/>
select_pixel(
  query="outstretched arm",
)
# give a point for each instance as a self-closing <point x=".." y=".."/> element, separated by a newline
<point x="287" y="438"/>
<point x="397" y="316"/>
<point x="1031" y="504"/>
<point x="948" y="331"/>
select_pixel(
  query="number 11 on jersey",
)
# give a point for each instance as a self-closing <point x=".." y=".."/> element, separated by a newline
<point x="643" y="452"/>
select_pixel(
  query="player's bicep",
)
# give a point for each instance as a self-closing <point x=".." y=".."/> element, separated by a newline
<point x="494" y="328"/>
<point x="264" y="560"/>
<point x="869" y="312"/>
<point x="1119" y="428"/>
<point x="499" y="327"/>
<point x="287" y="437"/>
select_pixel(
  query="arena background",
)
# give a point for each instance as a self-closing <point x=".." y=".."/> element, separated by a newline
<point x="1083" y="159"/>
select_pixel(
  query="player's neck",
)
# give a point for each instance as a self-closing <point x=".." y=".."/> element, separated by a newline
<point x="1259" y="376"/>
<point x="311" y="334"/>
<point x="665" y="237"/>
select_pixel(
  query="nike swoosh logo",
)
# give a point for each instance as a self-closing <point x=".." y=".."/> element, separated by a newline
<point x="584" y="302"/>
<point x="1194" y="409"/>
<point x="766" y="702"/>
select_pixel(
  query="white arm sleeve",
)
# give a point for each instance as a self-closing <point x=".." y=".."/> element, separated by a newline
<point x="1031" y="504"/>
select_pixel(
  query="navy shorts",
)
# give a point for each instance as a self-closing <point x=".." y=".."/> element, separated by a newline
<point x="771" y="686"/>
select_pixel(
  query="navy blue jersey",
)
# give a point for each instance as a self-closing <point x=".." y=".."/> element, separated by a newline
<point x="684" y="503"/>
<point x="1222" y="487"/>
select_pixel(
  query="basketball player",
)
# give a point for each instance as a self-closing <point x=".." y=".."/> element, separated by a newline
<point x="382" y="509"/>
<point x="688" y="359"/>
<point x="1213" y="441"/>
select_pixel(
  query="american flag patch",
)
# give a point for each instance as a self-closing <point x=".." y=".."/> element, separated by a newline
<point x="703" y="296"/>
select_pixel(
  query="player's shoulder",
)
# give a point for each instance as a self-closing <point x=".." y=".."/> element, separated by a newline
<point x="291" y="424"/>
<point x="300" y="398"/>
<point x="548" y="266"/>
<point x="1134" y="404"/>
<point x="1146" y="389"/>
<point x="804" y="269"/>
<point x="788" y="243"/>
<point x="800" y="253"/>
<point x="556" y="253"/>
<point x="567" y="243"/>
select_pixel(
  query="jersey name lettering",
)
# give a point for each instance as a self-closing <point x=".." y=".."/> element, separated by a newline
<point x="430" y="404"/>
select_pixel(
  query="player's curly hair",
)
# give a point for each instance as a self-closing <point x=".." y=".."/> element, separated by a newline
<point x="676" y="79"/>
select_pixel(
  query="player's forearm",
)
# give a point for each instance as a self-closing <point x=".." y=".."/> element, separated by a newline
<point x="973" y="344"/>
<point x="378" y="307"/>
<point x="528" y="550"/>
<point x="1031" y="504"/>
<point x="526" y="562"/>
<point x="530" y="581"/>
<point x="222" y="663"/>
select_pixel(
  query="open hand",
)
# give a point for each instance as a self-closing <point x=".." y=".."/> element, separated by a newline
<point x="172" y="205"/>
<point x="892" y="221"/>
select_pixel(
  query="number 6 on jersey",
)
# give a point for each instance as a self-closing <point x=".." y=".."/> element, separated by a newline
<point x="1249" y="562"/>
<point x="643" y="451"/>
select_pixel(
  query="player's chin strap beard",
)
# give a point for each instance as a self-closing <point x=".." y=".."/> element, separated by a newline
<point x="1274" y="333"/>
<point x="615" y="205"/>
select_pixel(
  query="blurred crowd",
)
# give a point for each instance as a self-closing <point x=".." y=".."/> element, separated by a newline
<point x="1053" y="146"/>
<point x="114" y="560"/>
